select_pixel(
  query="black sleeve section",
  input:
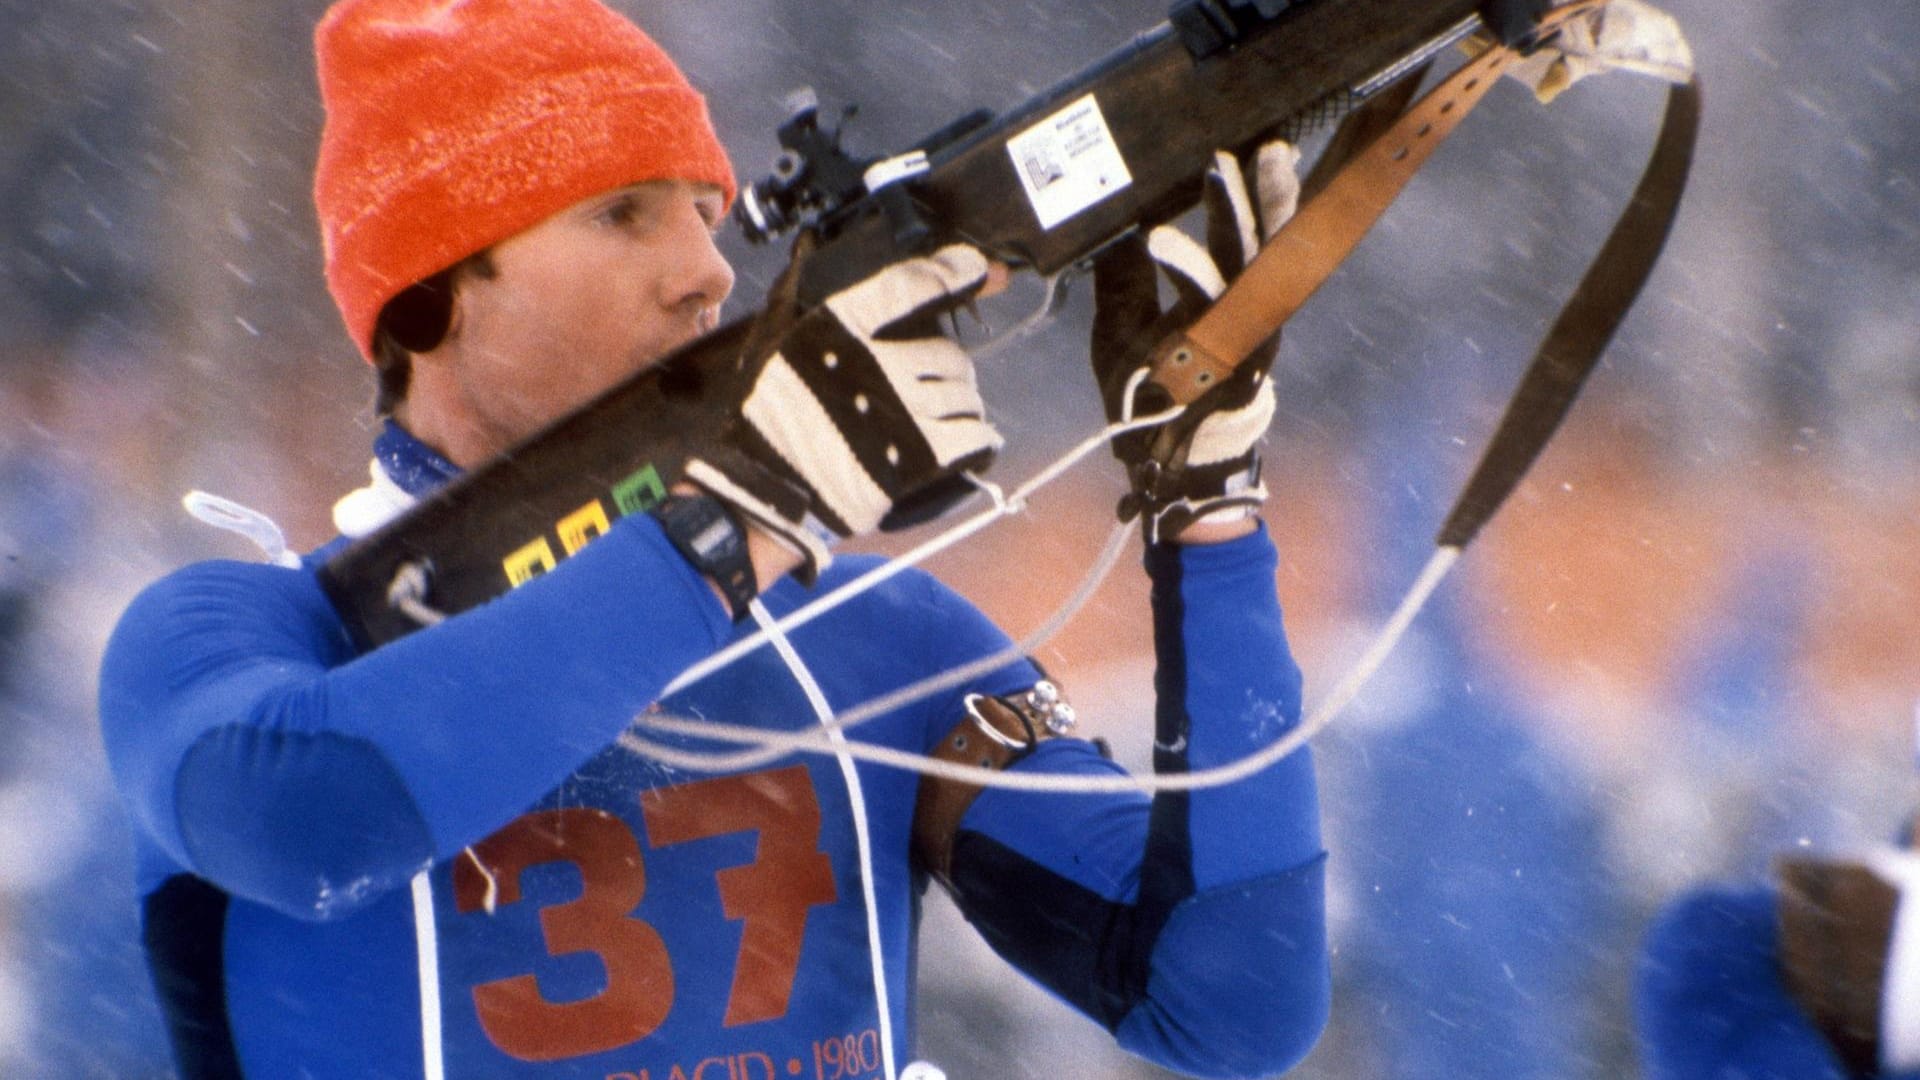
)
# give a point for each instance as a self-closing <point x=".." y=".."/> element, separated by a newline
<point x="183" y="926"/>
<point x="1090" y="951"/>
<point x="1166" y="872"/>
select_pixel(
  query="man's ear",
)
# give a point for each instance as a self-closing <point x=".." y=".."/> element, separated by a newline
<point x="420" y="317"/>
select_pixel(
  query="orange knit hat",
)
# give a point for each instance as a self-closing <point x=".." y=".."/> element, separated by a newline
<point x="455" y="124"/>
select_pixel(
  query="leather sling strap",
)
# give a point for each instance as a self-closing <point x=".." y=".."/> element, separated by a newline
<point x="1359" y="129"/>
<point x="1573" y="346"/>
<point x="1293" y="265"/>
<point x="1836" y="924"/>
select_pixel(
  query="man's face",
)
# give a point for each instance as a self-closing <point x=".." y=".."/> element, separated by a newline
<point x="577" y="303"/>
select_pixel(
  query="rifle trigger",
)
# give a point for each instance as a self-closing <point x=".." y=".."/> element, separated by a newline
<point x="1050" y="304"/>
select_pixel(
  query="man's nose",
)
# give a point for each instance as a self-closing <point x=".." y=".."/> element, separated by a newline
<point x="700" y="276"/>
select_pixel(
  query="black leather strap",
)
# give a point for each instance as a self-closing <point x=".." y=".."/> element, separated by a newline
<point x="1584" y="327"/>
<point x="708" y="535"/>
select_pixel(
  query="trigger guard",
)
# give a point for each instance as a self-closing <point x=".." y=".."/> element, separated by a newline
<point x="1050" y="305"/>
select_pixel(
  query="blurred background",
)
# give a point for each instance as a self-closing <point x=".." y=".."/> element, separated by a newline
<point x="1691" y="642"/>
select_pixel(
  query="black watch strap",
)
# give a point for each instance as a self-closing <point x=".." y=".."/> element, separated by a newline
<point x="708" y="535"/>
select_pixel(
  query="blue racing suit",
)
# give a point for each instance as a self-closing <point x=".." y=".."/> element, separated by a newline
<point x="434" y="859"/>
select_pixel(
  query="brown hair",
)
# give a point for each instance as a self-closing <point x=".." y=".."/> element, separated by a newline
<point x="417" y="321"/>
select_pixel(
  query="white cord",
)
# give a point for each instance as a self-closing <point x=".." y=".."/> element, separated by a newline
<point x="856" y="799"/>
<point x="955" y="676"/>
<point x="1003" y="507"/>
<point x="771" y="745"/>
<point x="426" y="937"/>
<point x="407" y="592"/>
<point x="1323" y="714"/>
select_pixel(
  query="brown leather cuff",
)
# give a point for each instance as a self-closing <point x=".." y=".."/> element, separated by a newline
<point x="995" y="733"/>
<point x="1836" y="924"/>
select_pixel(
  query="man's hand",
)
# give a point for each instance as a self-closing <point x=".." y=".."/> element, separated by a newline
<point x="1195" y="478"/>
<point x="857" y="415"/>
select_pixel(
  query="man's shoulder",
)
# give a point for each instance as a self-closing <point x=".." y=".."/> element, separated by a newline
<point x="203" y="615"/>
<point x="237" y="574"/>
<point x="215" y="590"/>
<point x="245" y="576"/>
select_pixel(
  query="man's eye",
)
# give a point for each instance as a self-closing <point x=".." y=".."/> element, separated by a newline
<point x="624" y="212"/>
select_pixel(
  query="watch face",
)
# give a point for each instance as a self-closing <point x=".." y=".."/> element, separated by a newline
<point x="714" y="537"/>
<point x="704" y="531"/>
<point x="699" y="525"/>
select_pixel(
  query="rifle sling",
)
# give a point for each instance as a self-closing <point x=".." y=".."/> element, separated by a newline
<point x="1358" y="130"/>
<point x="1293" y="265"/>
<point x="1585" y="326"/>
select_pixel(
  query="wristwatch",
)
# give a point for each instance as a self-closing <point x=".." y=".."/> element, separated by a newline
<point x="708" y="535"/>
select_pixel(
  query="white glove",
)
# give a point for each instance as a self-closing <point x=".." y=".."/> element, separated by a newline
<point x="1628" y="35"/>
<point x="859" y="414"/>
<point x="1205" y="463"/>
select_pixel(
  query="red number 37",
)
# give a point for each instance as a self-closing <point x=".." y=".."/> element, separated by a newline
<point x="770" y="896"/>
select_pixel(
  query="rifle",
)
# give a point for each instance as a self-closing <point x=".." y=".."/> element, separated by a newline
<point x="1121" y="145"/>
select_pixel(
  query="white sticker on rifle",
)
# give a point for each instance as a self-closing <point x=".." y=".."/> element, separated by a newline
<point x="1068" y="162"/>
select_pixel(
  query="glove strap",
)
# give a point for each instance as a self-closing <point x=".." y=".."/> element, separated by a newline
<point x="1170" y="499"/>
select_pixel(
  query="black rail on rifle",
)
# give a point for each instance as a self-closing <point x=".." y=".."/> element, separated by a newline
<point x="1168" y="101"/>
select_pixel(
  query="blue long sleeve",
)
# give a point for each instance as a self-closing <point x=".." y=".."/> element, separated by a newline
<point x="260" y="753"/>
<point x="1193" y="924"/>
<point x="1710" y="1002"/>
<point x="589" y="911"/>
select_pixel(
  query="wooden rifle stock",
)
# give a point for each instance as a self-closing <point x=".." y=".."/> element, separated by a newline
<point x="1167" y="112"/>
